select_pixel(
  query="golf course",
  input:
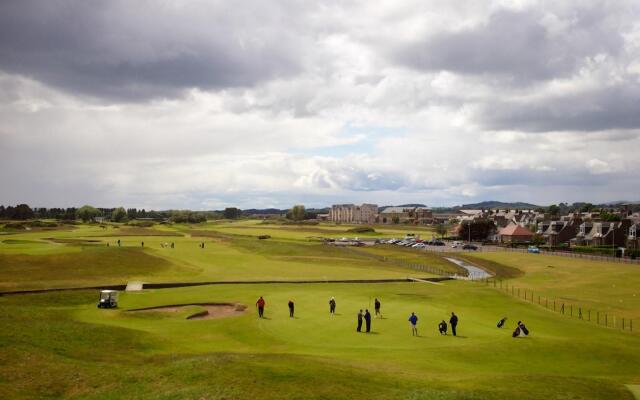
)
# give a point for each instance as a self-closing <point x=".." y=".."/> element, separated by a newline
<point x="194" y="331"/>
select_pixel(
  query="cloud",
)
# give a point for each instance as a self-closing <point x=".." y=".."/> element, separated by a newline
<point x="119" y="50"/>
<point x="524" y="45"/>
<point x="206" y="104"/>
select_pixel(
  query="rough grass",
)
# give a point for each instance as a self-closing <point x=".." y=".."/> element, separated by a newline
<point x="606" y="287"/>
<point x="86" y="266"/>
<point x="500" y="271"/>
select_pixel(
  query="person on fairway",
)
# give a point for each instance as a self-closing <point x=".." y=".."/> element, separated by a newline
<point x="260" y="304"/>
<point x="332" y="306"/>
<point x="367" y="320"/>
<point x="413" y="319"/>
<point x="376" y="304"/>
<point x="454" y="323"/>
<point x="291" y="307"/>
<point x="360" y="316"/>
<point x="442" y="327"/>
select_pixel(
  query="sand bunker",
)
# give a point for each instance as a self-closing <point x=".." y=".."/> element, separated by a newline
<point x="211" y="310"/>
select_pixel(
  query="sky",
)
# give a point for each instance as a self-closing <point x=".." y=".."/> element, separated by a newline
<point x="208" y="104"/>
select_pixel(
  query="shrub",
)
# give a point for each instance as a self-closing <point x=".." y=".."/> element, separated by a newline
<point x="362" y="229"/>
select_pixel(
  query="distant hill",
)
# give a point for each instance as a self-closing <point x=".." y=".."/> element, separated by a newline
<point x="491" y="204"/>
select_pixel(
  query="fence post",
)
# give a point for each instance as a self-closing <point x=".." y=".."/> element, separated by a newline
<point x="606" y="320"/>
<point x="598" y="317"/>
<point x="538" y="299"/>
<point x="554" y="305"/>
<point x="571" y="310"/>
<point x="580" y="312"/>
<point x="562" y="309"/>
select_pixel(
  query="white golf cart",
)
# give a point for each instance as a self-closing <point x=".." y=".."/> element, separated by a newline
<point x="108" y="299"/>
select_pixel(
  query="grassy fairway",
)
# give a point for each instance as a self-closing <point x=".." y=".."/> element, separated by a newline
<point x="313" y="355"/>
<point x="607" y="287"/>
<point x="59" y="345"/>
<point x="80" y="258"/>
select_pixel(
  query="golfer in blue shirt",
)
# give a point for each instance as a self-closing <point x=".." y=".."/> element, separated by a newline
<point x="413" y="319"/>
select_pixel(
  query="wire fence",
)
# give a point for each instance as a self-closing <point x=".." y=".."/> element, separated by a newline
<point x="572" y="310"/>
<point x="570" y="254"/>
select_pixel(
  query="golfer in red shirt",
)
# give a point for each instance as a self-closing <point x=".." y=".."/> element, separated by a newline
<point x="260" y="304"/>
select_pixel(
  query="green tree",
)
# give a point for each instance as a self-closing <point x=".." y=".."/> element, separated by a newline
<point x="553" y="209"/>
<point x="442" y="229"/>
<point x="87" y="213"/>
<point x="119" y="214"/>
<point x="22" y="211"/>
<point x="232" y="213"/>
<point x="298" y="212"/>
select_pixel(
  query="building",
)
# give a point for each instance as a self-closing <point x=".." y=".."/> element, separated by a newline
<point x="633" y="238"/>
<point x="515" y="234"/>
<point x="559" y="232"/>
<point x="396" y="215"/>
<point x="354" y="214"/>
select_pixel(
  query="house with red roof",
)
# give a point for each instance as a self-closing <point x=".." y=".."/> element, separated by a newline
<point x="514" y="233"/>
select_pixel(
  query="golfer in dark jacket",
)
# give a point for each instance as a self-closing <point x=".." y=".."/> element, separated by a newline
<point x="291" y="307"/>
<point x="332" y="306"/>
<point x="454" y="323"/>
<point x="377" y="307"/>
<point x="360" y="316"/>
<point x="367" y="320"/>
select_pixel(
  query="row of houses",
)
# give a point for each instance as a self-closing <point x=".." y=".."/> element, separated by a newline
<point x="575" y="231"/>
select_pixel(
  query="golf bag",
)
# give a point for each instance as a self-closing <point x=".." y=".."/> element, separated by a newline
<point x="501" y="323"/>
<point x="524" y="329"/>
<point x="516" y="333"/>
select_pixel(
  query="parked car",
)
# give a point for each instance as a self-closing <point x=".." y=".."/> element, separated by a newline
<point x="436" y="243"/>
<point x="456" y="244"/>
<point x="533" y="249"/>
<point x="469" y="246"/>
<point x="419" y="246"/>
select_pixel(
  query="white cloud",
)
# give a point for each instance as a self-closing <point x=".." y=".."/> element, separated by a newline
<point x="309" y="104"/>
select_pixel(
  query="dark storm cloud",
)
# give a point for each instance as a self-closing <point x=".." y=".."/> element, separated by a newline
<point x="138" y="50"/>
<point x="516" y="45"/>
<point x="601" y="109"/>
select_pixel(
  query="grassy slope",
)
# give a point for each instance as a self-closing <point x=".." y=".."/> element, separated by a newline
<point x="313" y="356"/>
<point x="27" y="261"/>
<point x="607" y="287"/>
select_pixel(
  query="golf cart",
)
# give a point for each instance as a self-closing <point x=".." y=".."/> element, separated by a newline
<point x="108" y="299"/>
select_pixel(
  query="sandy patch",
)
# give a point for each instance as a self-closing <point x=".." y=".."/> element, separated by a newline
<point x="211" y="310"/>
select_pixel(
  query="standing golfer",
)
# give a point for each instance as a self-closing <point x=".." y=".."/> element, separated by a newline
<point x="413" y="319"/>
<point x="260" y="304"/>
<point x="291" y="306"/>
<point x="367" y="320"/>
<point x="454" y="323"/>
<point x="376" y="304"/>
<point x="332" y="305"/>
<point x="360" y="316"/>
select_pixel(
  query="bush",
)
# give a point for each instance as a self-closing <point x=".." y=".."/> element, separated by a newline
<point x="362" y="229"/>
<point x="141" y="224"/>
<point x="262" y="237"/>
